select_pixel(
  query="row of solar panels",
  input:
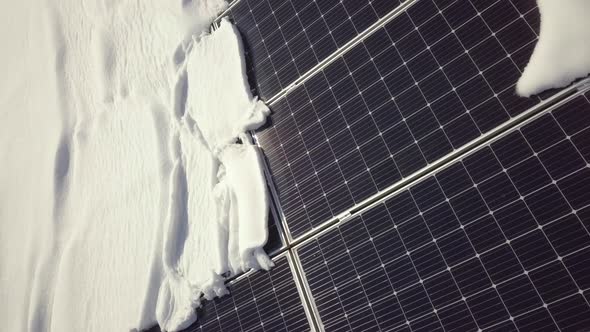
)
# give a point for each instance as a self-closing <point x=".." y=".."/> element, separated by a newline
<point x="495" y="241"/>
<point x="427" y="83"/>
<point x="393" y="112"/>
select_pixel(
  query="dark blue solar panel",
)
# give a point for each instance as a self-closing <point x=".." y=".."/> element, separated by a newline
<point x="285" y="39"/>
<point x="469" y="248"/>
<point x="260" y="301"/>
<point x="433" y="79"/>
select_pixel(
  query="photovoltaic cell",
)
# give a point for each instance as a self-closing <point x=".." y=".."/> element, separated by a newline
<point x="260" y="301"/>
<point x="430" y="81"/>
<point x="285" y="39"/>
<point x="497" y="241"/>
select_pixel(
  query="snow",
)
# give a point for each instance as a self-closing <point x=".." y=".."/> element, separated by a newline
<point x="562" y="53"/>
<point x="124" y="195"/>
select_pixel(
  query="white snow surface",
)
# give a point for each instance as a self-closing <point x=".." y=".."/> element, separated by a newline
<point x="124" y="197"/>
<point x="562" y="53"/>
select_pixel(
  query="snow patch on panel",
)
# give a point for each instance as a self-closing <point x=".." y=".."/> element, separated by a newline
<point x="562" y="53"/>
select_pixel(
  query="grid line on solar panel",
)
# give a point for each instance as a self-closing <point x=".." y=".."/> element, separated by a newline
<point x="287" y="39"/>
<point x="526" y="254"/>
<point x="259" y="301"/>
<point x="330" y="132"/>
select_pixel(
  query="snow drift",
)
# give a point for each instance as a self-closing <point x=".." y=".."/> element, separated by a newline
<point x="562" y="53"/>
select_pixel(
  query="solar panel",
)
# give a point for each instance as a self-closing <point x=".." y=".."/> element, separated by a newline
<point x="285" y="39"/>
<point x="497" y="241"/>
<point x="261" y="301"/>
<point x="433" y="79"/>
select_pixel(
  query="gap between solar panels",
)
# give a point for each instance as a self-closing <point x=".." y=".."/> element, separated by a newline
<point x="564" y="97"/>
<point x="274" y="208"/>
<point x="304" y="292"/>
<point x="342" y="50"/>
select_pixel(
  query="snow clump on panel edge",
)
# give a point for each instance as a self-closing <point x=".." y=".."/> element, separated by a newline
<point x="562" y="53"/>
<point x="217" y="219"/>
